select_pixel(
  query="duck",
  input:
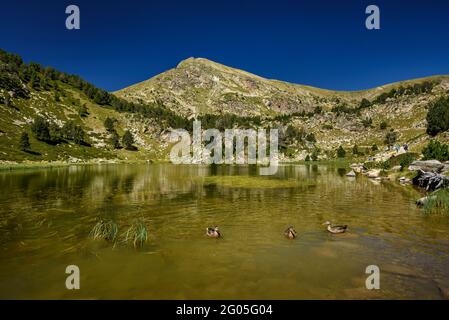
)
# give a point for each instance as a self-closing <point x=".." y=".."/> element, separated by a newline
<point x="335" y="229"/>
<point x="213" y="232"/>
<point x="290" y="233"/>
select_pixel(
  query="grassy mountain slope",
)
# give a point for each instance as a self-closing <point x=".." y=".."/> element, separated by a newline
<point x="198" y="86"/>
<point x="309" y="119"/>
<point x="25" y="96"/>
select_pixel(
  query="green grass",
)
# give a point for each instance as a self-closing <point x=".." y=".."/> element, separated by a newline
<point x="105" y="229"/>
<point x="136" y="234"/>
<point x="437" y="203"/>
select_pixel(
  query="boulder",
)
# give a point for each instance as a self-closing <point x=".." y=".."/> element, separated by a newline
<point x="396" y="168"/>
<point x="373" y="173"/>
<point x="351" y="174"/>
<point x="404" y="180"/>
<point x="357" y="167"/>
<point x="422" y="201"/>
<point x="430" y="180"/>
<point x="427" y="165"/>
<point x="445" y="166"/>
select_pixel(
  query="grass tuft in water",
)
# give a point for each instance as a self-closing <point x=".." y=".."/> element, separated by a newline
<point x="437" y="203"/>
<point x="106" y="230"/>
<point x="137" y="234"/>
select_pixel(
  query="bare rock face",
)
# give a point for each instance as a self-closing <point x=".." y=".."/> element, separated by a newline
<point x="430" y="180"/>
<point x="427" y="166"/>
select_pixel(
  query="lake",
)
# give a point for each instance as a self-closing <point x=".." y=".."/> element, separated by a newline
<point x="46" y="217"/>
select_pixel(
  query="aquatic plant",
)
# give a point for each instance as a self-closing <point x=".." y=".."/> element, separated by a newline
<point x="105" y="229"/>
<point x="249" y="182"/>
<point x="437" y="202"/>
<point x="137" y="234"/>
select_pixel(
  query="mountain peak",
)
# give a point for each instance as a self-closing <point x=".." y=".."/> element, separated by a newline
<point x="197" y="61"/>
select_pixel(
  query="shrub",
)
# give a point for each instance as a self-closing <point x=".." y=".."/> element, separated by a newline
<point x="406" y="160"/>
<point x="436" y="150"/>
<point x="383" y="125"/>
<point x="367" y="122"/>
<point x="311" y="137"/>
<point x="403" y="160"/>
<point x="365" y="103"/>
<point x="390" y="137"/>
<point x="307" y="158"/>
<point x="318" y="110"/>
<point x="374" y="147"/>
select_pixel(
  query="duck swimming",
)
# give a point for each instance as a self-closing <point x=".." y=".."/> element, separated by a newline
<point x="213" y="232"/>
<point x="335" y="229"/>
<point x="290" y="233"/>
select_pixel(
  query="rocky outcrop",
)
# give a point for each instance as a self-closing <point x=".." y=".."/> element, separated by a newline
<point x="430" y="180"/>
<point x="427" y="165"/>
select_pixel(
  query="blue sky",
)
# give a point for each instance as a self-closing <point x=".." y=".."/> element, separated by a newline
<point x="319" y="43"/>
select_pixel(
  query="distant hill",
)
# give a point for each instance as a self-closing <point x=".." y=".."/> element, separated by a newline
<point x="309" y="119"/>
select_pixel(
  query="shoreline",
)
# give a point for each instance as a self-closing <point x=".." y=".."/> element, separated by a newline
<point x="11" y="165"/>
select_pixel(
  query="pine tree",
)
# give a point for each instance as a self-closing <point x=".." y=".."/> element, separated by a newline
<point x="128" y="140"/>
<point x="24" y="143"/>
<point x="78" y="135"/>
<point x="438" y="116"/>
<point x="109" y="124"/>
<point x="7" y="100"/>
<point x="341" y="153"/>
<point x="390" y="138"/>
<point x="315" y="155"/>
<point x="82" y="111"/>
<point x="115" y="140"/>
<point x="40" y="129"/>
<point x="355" y="150"/>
